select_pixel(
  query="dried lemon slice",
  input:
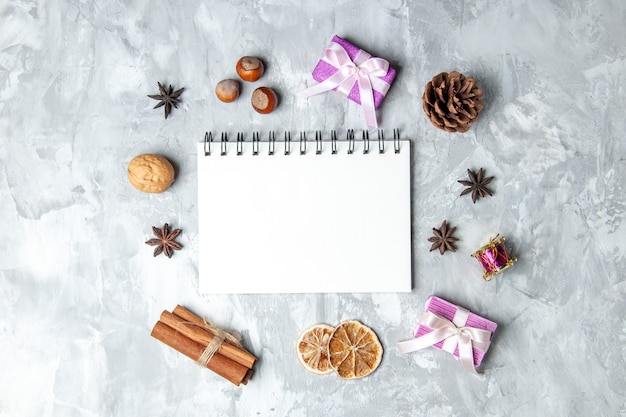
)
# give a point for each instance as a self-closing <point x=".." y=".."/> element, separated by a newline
<point x="312" y="349"/>
<point x="354" y="349"/>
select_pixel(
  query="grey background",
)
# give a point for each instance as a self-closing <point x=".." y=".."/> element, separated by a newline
<point x="80" y="291"/>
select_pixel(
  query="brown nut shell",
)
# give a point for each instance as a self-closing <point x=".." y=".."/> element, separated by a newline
<point x="150" y="173"/>
<point x="227" y="90"/>
<point x="250" y="68"/>
<point x="264" y="100"/>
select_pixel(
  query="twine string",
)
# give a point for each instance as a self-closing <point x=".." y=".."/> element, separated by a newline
<point x="210" y="351"/>
<point x="219" y="337"/>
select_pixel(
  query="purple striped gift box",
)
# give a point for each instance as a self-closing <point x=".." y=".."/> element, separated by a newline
<point x="448" y="310"/>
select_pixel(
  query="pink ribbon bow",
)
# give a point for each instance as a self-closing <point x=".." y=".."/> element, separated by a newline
<point x="364" y="70"/>
<point x="466" y="338"/>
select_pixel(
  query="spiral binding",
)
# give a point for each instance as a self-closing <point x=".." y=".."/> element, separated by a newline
<point x="318" y="142"/>
<point x="239" y="143"/>
<point x="366" y="142"/>
<point x="287" y="143"/>
<point x="350" y="139"/>
<point x="224" y="142"/>
<point x="255" y="143"/>
<point x="302" y="143"/>
<point x="271" y="141"/>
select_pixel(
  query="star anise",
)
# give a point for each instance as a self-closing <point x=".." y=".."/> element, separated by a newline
<point x="164" y="241"/>
<point x="168" y="98"/>
<point x="476" y="185"/>
<point x="443" y="239"/>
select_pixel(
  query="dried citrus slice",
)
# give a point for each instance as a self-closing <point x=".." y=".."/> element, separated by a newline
<point x="354" y="349"/>
<point x="312" y="349"/>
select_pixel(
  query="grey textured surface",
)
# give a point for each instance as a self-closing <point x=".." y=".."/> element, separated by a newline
<point x="80" y="291"/>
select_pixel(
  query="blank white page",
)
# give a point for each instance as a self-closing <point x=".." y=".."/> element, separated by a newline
<point x="312" y="223"/>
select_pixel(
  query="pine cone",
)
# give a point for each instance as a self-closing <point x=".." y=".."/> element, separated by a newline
<point x="452" y="102"/>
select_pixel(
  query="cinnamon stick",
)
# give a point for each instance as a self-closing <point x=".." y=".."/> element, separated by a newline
<point x="193" y="328"/>
<point x="226" y="368"/>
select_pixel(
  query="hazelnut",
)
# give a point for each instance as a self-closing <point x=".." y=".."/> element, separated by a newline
<point x="150" y="173"/>
<point x="227" y="90"/>
<point x="250" y="68"/>
<point x="264" y="100"/>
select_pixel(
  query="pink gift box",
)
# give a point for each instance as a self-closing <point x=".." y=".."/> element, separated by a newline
<point x="323" y="70"/>
<point x="448" y="310"/>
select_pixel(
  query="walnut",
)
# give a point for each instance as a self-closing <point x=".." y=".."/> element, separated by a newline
<point x="150" y="173"/>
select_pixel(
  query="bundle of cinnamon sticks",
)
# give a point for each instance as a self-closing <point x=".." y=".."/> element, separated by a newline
<point x="190" y="335"/>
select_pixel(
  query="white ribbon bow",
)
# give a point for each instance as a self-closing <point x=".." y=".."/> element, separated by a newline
<point x="467" y="338"/>
<point x="364" y="70"/>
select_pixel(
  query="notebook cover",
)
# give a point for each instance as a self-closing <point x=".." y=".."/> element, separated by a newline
<point x="312" y="223"/>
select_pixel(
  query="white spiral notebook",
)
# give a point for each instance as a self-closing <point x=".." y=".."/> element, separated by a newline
<point x="316" y="216"/>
